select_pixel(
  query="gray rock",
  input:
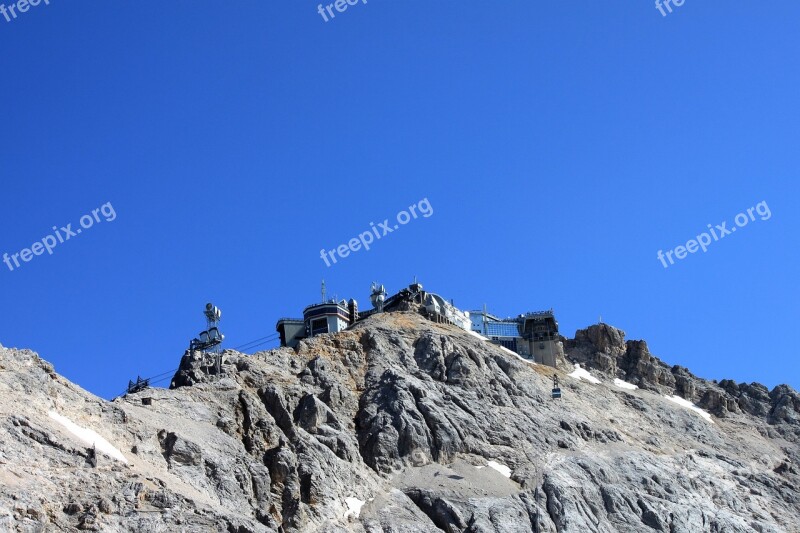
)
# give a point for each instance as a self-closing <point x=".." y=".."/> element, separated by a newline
<point x="419" y="421"/>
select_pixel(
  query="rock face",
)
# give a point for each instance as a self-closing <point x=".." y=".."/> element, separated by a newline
<point x="397" y="425"/>
<point x="603" y="348"/>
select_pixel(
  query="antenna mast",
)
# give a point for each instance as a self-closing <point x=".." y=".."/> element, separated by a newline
<point x="210" y="340"/>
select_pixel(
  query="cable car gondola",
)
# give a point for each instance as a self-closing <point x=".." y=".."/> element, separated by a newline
<point x="556" y="393"/>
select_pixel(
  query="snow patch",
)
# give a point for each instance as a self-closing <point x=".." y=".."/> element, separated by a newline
<point x="518" y="356"/>
<point x="582" y="373"/>
<point x="683" y="402"/>
<point x="503" y="469"/>
<point x="88" y="436"/>
<point x="354" y="506"/>
<point x="624" y="384"/>
<point x="509" y="352"/>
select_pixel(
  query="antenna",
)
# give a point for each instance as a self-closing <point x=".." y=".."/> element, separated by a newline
<point x="377" y="296"/>
<point x="324" y="291"/>
<point x="213" y="316"/>
<point x="211" y="339"/>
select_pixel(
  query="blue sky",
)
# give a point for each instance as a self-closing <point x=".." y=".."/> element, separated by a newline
<point x="561" y="145"/>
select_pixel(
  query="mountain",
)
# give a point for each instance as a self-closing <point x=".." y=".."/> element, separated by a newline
<point x="400" y="424"/>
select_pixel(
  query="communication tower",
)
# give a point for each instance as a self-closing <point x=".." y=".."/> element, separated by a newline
<point x="209" y="341"/>
<point x="378" y="296"/>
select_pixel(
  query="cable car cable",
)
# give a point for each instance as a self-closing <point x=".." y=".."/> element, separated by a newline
<point x="240" y="348"/>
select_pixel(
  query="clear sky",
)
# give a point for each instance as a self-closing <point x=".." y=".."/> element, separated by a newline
<point x="560" y="145"/>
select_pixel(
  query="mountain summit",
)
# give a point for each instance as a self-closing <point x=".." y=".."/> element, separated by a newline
<point x="400" y="424"/>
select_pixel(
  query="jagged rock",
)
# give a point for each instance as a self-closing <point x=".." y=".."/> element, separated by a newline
<point x="73" y="508"/>
<point x="718" y="402"/>
<point x="602" y="338"/>
<point x="441" y="512"/>
<point x="105" y="506"/>
<point x="311" y="413"/>
<point x="403" y="425"/>
<point x="642" y="368"/>
<point x="785" y="405"/>
<point x="88" y="520"/>
<point x="179" y="451"/>
<point x="603" y="347"/>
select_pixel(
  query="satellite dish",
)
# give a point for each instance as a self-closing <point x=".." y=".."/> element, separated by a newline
<point x="378" y="295"/>
<point x="213" y="312"/>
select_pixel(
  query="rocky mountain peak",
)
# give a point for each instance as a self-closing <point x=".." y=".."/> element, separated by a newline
<point x="604" y="349"/>
<point x="401" y="424"/>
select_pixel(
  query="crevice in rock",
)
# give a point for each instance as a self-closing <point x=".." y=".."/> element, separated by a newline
<point x="458" y="402"/>
<point x="246" y="423"/>
<point x="305" y="487"/>
<point x="433" y="440"/>
<point x="441" y="512"/>
<point x="275" y="404"/>
<point x="554" y="508"/>
<point x="446" y="369"/>
<point x="649" y="517"/>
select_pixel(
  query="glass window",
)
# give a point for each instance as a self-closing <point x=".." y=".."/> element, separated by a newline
<point x="319" y="326"/>
<point x="503" y="329"/>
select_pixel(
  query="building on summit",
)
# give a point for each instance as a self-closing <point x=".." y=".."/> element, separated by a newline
<point x="532" y="335"/>
<point x="328" y="316"/>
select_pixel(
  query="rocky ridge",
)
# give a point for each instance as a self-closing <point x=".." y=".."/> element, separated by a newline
<point x="400" y="424"/>
<point x="603" y="348"/>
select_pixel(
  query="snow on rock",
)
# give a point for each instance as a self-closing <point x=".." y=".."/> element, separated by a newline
<point x="88" y="436"/>
<point x="583" y="374"/>
<point x="354" y="506"/>
<point x="624" y="384"/>
<point x="503" y="469"/>
<point x="518" y="356"/>
<point x="689" y="405"/>
<point x="509" y="352"/>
